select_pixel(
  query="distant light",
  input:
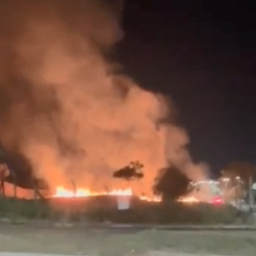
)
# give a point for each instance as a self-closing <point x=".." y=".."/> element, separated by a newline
<point x="217" y="201"/>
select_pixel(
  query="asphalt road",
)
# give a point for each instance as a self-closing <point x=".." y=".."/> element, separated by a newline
<point x="123" y="241"/>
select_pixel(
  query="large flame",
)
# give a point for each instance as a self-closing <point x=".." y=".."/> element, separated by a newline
<point x="62" y="192"/>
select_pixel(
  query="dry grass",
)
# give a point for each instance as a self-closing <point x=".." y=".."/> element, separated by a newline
<point x="79" y="241"/>
<point x="102" y="209"/>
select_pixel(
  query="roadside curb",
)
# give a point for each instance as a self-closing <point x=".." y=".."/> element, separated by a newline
<point x="157" y="253"/>
<point x="115" y="226"/>
<point x="177" y="227"/>
<point x="153" y="253"/>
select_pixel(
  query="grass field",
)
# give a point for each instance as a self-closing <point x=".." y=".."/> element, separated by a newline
<point x="81" y="241"/>
<point x="104" y="209"/>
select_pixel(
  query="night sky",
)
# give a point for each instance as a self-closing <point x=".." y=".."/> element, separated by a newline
<point x="202" y="54"/>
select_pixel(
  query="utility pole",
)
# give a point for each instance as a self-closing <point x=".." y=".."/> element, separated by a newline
<point x="251" y="195"/>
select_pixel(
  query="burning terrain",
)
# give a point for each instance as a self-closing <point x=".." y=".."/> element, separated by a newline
<point x="69" y="111"/>
<point x="76" y="193"/>
<point x="62" y="192"/>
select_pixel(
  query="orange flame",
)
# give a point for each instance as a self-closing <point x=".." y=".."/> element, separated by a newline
<point x="189" y="199"/>
<point x="62" y="192"/>
<point x="67" y="193"/>
<point x="150" y="199"/>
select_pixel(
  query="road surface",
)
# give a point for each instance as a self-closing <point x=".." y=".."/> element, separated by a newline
<point x="105" y="242"/>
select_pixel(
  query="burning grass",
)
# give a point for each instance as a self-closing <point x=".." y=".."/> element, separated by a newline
<point x="102" y="209"/>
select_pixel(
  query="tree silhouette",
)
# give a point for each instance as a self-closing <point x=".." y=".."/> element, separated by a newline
<point x="18" y="172"/>
<point x="171" y="183"/>
<point x="130" y="172"/>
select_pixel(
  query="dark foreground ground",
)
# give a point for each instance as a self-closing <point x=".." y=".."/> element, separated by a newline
<point x="112" y="242"/>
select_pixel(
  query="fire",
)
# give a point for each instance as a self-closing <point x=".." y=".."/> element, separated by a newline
<point x="61" y="192"/>
<point x="150" y="199"/>
<point x="67" y="193"/>
<point x="188" y="200"/>
<point x="120" y="192"/>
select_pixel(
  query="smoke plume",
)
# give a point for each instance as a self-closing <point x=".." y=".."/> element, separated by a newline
<point x="71" y="111"/>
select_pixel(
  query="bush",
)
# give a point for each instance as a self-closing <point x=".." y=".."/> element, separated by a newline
<point x="172" y="213"/>
<point x="103" y="209"/>
<point x="24" y="209"/>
